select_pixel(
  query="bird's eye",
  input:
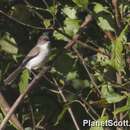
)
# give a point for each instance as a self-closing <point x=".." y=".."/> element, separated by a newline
<point x="46" y="39"/>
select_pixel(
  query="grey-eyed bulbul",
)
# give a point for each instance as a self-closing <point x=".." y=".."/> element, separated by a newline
<point x="34" y="59"/>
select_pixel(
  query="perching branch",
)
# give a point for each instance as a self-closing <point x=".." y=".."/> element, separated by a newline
<point x="32" y="84"/>
<point x="4" y="106"/>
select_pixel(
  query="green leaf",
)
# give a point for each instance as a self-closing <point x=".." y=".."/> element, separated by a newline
<point x="102" y="119"/>
<point x="100" y="8"/>
<point x="53" y="9"/>
<point x="117" y="60"/>
<point x="102" y="59"/>
<point x="61" y="115"/>
<point x="121" y="109"/>
<point x="70" y="12"/>
<point x="8" y="44"/>
<point x="47" y="22"/>
<point x="1" y="117"/>
<point x="24" y="80"/>
<point x="104" y="17"/>
<point x="78" y="83"/>
<point x="60" y="36"/>
<point x="71" y="26"/>
<point x="109" y="94"/>
<point x="81" y="3"/>
<point x="72" y="75"/>
<point x="104" y="24"/>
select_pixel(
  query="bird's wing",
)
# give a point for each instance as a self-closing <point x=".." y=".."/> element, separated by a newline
<point x="34" y="52"/>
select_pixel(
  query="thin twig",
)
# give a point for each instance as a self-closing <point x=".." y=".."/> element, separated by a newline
<point x="90" y="76"/>
<point x="32" y="116"/>
<point x="69" y="109"/>
<point x="24" y="24"/>
<point x="82" y="104"/>
<point x="76" y="37"/>
<point x="85" y="108"/>
<point x="51" y="29"/>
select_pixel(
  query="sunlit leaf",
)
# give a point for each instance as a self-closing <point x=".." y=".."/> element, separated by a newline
<point x="100" y="8"/>
<point x="60" y="36"/>
<point x="71" y="26"/>
<point x="24" y="80"/>
<point x="109" y="94"/>
<point x="61" y="115"/>
<point x="121" y="109"/>
<point x="117" y="60"/>
<point x="102" y="119"/>
<point x="70" y="12"/>
<point x="53" y="9"/>
<point x="102" y="59"/>
<point x="104" y="24"/>
<point x="72" y="75"/>
<point x="104" y="18"/>
<point x="81" y="3"/>
<point x="47" y="23"/>
<point x="8" y="44"/>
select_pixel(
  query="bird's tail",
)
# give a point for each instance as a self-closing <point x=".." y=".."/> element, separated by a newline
<point x="13" y="76"/>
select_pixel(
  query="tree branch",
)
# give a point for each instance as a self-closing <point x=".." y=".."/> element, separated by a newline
<point x="21" y="97"/>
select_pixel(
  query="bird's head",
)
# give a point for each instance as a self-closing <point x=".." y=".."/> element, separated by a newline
<point x="43" y="40"/>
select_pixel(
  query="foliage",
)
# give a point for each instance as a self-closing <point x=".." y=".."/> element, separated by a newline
<point x="91" y="78"/>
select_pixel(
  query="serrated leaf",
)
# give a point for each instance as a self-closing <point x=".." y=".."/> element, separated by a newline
<point x="81" y="3"/>
<point x="24" y="80"/>
<point x="8" y="44"/>
<point x="70" y="12"/>
<point x="117" y="60"/>
<point x="109" y="94"/>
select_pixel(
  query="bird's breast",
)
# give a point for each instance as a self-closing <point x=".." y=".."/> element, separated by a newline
<point x="35" y="62"/>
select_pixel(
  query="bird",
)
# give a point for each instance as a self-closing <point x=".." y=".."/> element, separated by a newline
<point x="35" y="59"/>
